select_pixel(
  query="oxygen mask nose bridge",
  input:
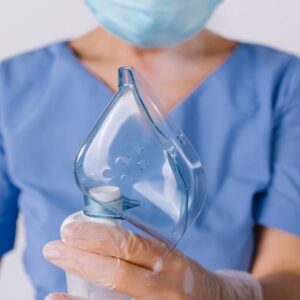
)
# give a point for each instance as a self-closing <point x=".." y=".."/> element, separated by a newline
<point x="134" y="148"/>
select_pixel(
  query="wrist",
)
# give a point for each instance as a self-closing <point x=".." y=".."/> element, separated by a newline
<point x="235" y="285"/>
<point x="232" y="285"/>
<point x="215" y="286"/>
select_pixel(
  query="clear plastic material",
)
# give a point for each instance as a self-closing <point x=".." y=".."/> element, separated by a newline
<point x="135" y="147"/>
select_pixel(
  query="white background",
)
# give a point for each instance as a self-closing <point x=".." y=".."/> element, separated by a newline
<point x="27" y="24"/>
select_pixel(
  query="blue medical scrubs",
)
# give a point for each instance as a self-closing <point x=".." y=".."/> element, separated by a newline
<point x="244" y="121"/>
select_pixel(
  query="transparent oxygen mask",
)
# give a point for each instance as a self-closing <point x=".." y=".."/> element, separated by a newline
<point x="134" y="147"/>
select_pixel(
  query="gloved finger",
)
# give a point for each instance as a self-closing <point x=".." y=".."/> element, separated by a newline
<point x="109" y="272"/>
<point x="113" y="241"/>
<point x="62" y="297"/>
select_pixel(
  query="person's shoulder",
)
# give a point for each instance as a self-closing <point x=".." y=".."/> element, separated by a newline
<point x="25" y="78"/>
<point x="31" y="61"/>
<point x="266" y="68"/>
<point x="22" y="71"/>
<point x="48" y="51"/>
<point x="269" y="60"/>
<point x="277" y="70"/>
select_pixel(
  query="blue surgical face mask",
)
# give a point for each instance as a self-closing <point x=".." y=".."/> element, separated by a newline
<point x="153" y="23"/>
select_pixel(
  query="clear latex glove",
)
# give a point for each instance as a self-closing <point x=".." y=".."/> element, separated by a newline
<point x="139" y="267"/>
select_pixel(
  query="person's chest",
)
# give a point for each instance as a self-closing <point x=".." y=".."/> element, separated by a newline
<point x="232" y="132"/>
<point x="172" y="77"/>
<point x="229" y="129"/>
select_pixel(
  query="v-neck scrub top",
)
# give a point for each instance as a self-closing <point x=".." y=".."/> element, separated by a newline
<point x="243" y="120"/>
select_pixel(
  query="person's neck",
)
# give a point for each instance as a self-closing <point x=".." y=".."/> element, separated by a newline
<point x="100" y="45"/>
<point x="181" y="67"/>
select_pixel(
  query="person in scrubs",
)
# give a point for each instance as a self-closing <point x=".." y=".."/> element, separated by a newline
<point x="238" y="103"/>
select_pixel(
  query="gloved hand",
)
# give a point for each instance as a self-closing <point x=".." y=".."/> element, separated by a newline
<point x="139" y="267"/>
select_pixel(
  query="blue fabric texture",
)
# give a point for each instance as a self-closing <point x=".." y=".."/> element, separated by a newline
<point x="153" y="23"/>
<point x="244" y="120"/>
